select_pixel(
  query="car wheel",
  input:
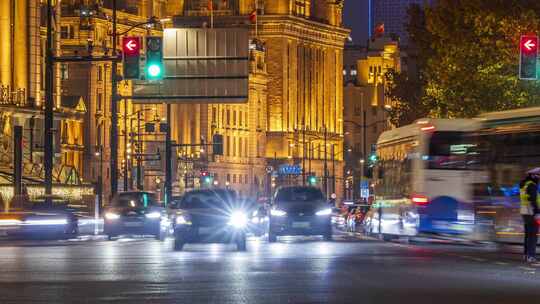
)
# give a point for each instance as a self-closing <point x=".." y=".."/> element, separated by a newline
<point x="272" y="237"/>
<point x="328" y="236"/>
<point x="179" y="243"/>
<point x="388" y="237"/>
<point x="110" y="237"/>
<point x="161" y="235"/>
<point x="241" y="243"/>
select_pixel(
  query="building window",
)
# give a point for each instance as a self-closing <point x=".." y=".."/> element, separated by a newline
<point x="64" y="32"/>
<point x="357" y="110"/>
<point x="99" y="101"/>
<point x="100" y="73"/>
<point x="64" y="72"/>
<point x="228" y="117"/>
<point x="234" y="117"/>
<point x="214" y="115"/>
<point x="234" y="178"/>
<point x="302" y="8"/>
<point x="240" y="116"/>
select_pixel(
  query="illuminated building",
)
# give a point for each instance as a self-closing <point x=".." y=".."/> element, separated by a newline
<point x="22" y="49"/>
<point x="293" y="118"/>
<point x="366" y="106"/>
<point x="85" y="29"/>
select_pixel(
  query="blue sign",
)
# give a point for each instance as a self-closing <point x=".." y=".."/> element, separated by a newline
<point x="290" y="170"/>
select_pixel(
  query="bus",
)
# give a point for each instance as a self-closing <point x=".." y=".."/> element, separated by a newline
<point x="424" y="178"/>
<point x="512" y="147"/>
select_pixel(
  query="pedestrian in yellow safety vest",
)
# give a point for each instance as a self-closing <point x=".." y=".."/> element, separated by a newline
<point x="530" y="211"/>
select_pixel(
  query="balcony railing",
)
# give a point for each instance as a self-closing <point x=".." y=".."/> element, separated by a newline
<point x="11" y="97"/>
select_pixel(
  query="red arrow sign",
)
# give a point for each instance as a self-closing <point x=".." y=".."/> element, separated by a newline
<point x="529" y="44"/>
<point x="131" y="45"/>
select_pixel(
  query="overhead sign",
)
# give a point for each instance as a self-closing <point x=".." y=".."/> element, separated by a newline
<point x="201" y="65"/>
<point x="528" y="60"/>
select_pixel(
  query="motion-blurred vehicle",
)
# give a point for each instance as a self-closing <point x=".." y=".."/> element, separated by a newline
<point x="355" y="216"/>
<point x="300" y="210"/>
<point x="424" y="177"/>
<point x="44" y="217"/>
<point x="511" y="147"/>
<point x="210" y="216"/>
<point x="259" y="220"/>
<point x="136" y="213"/>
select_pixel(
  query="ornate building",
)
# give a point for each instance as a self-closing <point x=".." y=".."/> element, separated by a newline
<point x="366" y="106"/>
<point x="22" y="49"/>
<point x="85" y="29"/>
<point x="296" y="113"/>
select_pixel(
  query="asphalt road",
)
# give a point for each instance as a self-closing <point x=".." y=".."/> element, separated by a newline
<point x="347" y="270"/>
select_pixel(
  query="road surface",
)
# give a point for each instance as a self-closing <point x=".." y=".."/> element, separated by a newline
<point x="350" y="269"/>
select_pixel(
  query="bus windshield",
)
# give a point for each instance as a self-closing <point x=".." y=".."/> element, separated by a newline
<point x="452" y="151"/>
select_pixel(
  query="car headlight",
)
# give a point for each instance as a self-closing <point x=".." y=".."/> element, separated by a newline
<point x="327" y="211"/>
<point x="277" y="212"/>
<point x="181" y="220"/>
<point x="153" y="215"/>
<point x="112" y="216"/>
<point x="238" y="219"/>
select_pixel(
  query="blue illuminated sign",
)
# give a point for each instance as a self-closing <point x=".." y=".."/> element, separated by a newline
<point x="290" y="170"/>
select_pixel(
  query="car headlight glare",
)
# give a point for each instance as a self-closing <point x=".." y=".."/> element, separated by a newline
<point x="58" y="221"/>
<point x="277" y="212"/>
<point x="238" y="219"/>
<point x="327" y="211"/>
<point x="181" y="220"/>
<point x="153" y="215"/>
<point x="112" y="216"/>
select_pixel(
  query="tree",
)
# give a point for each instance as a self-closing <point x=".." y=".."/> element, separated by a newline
<point x="474" y="66"/>
<point x="468" y="57"/>
<point x="406" y="88"/>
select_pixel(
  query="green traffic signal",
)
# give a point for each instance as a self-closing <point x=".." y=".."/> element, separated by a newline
<point x="154" y="70"/>
<point x="154" y="58"/>
<point x="312" y="180"/>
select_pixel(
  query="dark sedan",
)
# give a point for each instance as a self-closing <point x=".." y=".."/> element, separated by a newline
<point x="299" y="210"/>
<point x="136" y="213"/>
<point x="210" y="216"/>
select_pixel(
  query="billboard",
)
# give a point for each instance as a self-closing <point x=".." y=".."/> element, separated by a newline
<point x="201" y="65"/>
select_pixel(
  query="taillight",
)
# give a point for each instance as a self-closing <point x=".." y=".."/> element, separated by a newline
<point x="420" y="200"/>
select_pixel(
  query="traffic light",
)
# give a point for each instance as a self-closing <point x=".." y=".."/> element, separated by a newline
<point x="217" y="144"/>
<point x="131" y="53"/>
<point x="528" y="46"/>
<point x="154" y="58"/>
<point x="312" y="180"/>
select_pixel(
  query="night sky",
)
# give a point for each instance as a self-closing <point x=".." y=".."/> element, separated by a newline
<point x="355" y="16"/>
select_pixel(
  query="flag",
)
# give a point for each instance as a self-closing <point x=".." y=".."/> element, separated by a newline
<point x="379" y="30"/>
<point x="210" y="5"/>
<point x="253" y="16"/>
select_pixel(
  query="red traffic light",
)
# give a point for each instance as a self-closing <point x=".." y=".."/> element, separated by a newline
<point x="529" y="44"/>
<point x="131" y="45"/>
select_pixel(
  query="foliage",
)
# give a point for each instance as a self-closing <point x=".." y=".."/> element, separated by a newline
<point x="468" y="58"/>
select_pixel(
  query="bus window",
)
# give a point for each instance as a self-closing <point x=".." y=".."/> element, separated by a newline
<point x="451" y="151"/>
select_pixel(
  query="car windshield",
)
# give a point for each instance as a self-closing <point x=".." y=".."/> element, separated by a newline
<point x="135" y="200"/>
<point x="207" y="199"/>
<point x="299" y="194"/>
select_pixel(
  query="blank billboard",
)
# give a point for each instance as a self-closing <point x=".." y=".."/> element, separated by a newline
<point x="201" y="66"/>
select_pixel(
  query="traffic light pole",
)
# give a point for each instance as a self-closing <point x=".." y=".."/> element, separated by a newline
<point x="114" y="111"/>
<point x="168" y="158"/>
<point x="49" y="105"/>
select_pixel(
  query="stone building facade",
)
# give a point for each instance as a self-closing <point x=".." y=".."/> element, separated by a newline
<point x="22" y="61"/>
<point x="300" y="101"/>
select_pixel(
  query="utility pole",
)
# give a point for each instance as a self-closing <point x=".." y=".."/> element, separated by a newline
<point x="126" y="163"/>
<point x="49" y="104"/>
<point x="168" y="158"/>
<point x="114" y="110"/>
<point x="325" y="174"/>
<point x="139" y="151"/>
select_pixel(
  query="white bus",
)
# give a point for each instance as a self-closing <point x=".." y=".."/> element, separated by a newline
<point x="423" y="180"/>
<point x="512" y="147"/>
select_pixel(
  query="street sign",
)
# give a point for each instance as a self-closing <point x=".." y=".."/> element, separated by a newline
<point x="200" y="65"/>
<point x="131" y="52"/>
<point x="528" y="60"/>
